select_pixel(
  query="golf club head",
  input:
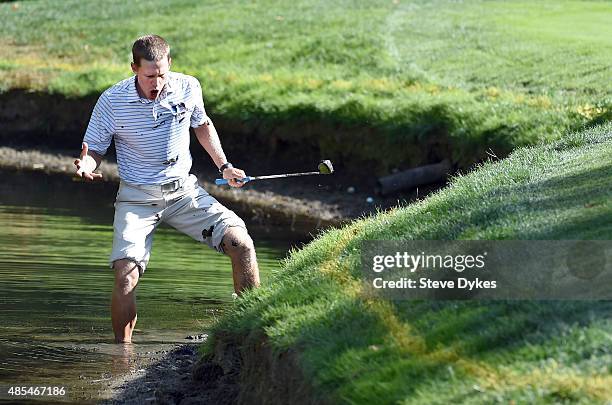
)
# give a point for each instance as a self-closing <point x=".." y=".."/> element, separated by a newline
<point x="326" y="167"/>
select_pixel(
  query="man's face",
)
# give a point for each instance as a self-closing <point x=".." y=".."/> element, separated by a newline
<point x="152" y="76"/>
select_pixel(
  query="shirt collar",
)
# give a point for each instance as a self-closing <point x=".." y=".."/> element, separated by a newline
<point x="170" y="83"/>
<point x="132" y="92"/>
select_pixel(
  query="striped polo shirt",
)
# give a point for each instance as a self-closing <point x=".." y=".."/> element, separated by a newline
<point x="151" y="136"/>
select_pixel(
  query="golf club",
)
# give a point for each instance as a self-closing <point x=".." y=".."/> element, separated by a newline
<point x="325" y="167"/>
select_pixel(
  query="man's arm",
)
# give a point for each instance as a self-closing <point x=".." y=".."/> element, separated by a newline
<point x="87" y="163"/>
<point x="99" y="133"/>
<point x="209" y="139"/>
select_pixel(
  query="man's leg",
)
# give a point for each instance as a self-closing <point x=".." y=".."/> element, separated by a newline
<point x="238" y="245"/>
<point x="202" y="217"/>
<point x="123" y="302"/>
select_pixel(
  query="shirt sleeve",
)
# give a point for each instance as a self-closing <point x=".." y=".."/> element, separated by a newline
<point x="101" y="126"/>
<point x="198" y="116"/>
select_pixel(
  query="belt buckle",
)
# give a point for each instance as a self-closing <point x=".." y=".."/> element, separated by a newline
<point x="171" y="186"/>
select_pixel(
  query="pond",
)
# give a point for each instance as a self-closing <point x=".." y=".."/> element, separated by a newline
<point x="55" y="286"/>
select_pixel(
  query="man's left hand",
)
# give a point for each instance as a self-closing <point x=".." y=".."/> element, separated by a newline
<point x="233" y="175"/>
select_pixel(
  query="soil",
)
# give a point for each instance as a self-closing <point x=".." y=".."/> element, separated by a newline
<point x="168" y="377"/>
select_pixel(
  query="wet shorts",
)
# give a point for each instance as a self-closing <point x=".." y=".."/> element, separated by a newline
<point x="183" y="205"/>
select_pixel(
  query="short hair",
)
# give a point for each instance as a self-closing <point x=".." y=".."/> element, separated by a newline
<point x="150" y="47"/>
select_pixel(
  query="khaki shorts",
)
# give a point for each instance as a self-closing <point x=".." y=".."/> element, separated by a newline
<point x="186" y="207"/>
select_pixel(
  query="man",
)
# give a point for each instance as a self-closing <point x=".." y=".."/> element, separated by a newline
<point x="149" y="116"/>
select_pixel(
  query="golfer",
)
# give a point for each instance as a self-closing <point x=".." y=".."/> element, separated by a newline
<point x="149" y="115"/>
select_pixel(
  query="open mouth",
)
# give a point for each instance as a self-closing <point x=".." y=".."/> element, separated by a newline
<point x="154" y="93"/>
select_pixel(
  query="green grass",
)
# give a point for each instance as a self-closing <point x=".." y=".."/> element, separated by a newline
<point x="387" y="83"/>
<point x="359" y="350"/>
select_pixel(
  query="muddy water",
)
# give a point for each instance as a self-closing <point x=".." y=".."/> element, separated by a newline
<point x="55" y="289"/>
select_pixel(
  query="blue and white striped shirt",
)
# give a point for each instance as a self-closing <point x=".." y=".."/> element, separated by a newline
<point x="151" y="136"/>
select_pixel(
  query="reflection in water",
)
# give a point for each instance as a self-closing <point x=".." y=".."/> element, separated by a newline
<point x="55" y="288"/>
<point x="123" y="361"/>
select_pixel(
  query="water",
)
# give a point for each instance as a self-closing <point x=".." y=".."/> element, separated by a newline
<point x="55" y="287"/>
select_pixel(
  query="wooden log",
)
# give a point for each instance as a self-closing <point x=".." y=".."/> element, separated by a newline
<point x="415" y="177"/>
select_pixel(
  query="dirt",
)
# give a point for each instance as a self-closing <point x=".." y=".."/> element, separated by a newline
<point x="167" y="377"/>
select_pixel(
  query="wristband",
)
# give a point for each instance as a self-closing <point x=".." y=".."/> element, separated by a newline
<point x="224" y="166"/>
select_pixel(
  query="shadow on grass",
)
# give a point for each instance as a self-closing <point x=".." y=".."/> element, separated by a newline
<point x="479" y="327"/>
<point x="525" y="206"/>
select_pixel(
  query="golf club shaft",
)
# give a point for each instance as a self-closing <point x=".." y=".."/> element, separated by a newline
<point x="277" y="176"/>
<point x="272" y="176"/>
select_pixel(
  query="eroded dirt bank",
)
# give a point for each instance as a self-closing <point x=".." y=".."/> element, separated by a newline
<point x="304" y="206"/>
<point x="240" y="371"/>
<point x="43" y="132"/>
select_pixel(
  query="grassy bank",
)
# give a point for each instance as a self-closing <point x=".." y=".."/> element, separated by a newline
<point x="388" y="83"/>
<point x="354" y="349"/>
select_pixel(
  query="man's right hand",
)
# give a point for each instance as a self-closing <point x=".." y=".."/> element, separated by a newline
<point x="86" y="165"/>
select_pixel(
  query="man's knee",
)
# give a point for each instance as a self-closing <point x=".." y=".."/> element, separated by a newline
<point x="127" y="273"/>
<point x="237" y="242"/>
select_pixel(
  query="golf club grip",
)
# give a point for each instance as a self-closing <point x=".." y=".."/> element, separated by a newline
<point x="221" y="182"/>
